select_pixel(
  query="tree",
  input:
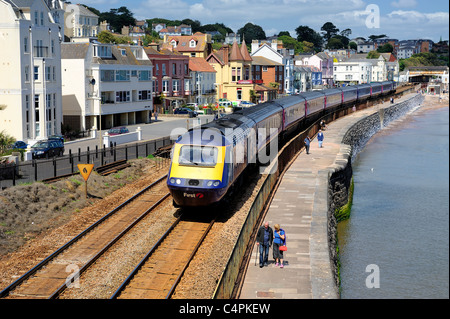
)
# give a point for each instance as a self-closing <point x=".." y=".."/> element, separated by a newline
<point x="335" y="44"/>
<point x="373" y="55"/>
<point x="252" y="32"/>
<point x="5" y="141"/>
<point x="387" y="48"/>
<point x="291" y="43"/>
<point x="329" y="30"/>
<point x="306" y="34"/>
<point x="375" y="37"/>
<point x="282" y="33"/>
<point x="353" y="45"/>
<point x="118" y="18"/>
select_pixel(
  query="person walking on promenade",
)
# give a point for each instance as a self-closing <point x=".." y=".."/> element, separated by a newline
<point x="307" y="143"/>
<point x="156" y="115"/>
<point x="278" y="241"/>
<point x="320" y="138"/>
<point x="264" y="240"/>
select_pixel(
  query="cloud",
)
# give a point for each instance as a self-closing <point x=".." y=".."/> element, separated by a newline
<point x="404" y="4"/>
<point x="281" y="15"/>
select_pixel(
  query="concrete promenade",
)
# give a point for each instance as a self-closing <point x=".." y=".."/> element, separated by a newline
<point x="300" y="207"/>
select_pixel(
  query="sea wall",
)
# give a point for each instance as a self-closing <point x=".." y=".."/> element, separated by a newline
<point x="340" y="174"/>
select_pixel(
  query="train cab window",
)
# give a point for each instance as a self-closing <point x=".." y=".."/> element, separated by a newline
<point x="198" y="155"/>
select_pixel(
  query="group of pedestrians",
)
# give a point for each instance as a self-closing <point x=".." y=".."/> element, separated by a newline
<point x="267" y="237"/>
<point x="320" y="138"/>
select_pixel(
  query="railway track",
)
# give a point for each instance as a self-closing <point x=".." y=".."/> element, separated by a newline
<point x="55" y="273"/>
<point x="160" y="271"/>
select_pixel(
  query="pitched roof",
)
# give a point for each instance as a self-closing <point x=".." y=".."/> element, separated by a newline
<point x="244" y="51"/>
<point x="259" y="60"/>
<point x="236" y="54"/>
<point x="71" y="50"/>
<point x="200" y="65"/>
<point x="183" y="42"/>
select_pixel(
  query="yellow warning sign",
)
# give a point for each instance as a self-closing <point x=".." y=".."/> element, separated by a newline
<point x="85" y="170"/>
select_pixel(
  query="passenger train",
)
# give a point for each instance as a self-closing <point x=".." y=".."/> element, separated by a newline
<point x="208" y="160"/>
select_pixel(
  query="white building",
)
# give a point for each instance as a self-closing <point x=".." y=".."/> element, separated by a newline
<point x="112" y="80"/>
<point x="30" y="65"/>
<point x="406" y="52"/>
<point x="79" y="22"/>
<point x="204" y="78"/>
<point x="365" y="47"/>
<point x="352" y="72"/>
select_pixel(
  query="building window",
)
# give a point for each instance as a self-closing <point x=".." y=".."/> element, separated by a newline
<point x="164" y="69"/>
<point x="239" y="94"/>
<point x="144" y="75"/>
<point x="174" y="68"/>
<point x="27" y="73"/>
<point x="35" y="17"/>
<point x="122" y="75"/>
<point x="233" y="74"/>
<point x="25" y="45"/>
<point x="165" y="85"/>
<point x="42" y="18"/>
<point x="36" y="73"/>
<point x="123" y="96"/>
<point x="264" y="68"/>
<point x="145" y="95"/>
<point x="192" y="44"/>
<point x="176" y="85"/>
<point x="107" y="75"/>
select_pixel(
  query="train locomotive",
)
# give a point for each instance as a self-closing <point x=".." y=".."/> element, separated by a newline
<point x="207" y="161"/>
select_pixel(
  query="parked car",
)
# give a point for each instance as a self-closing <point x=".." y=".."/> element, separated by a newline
<point x="19" y="145"/>
<point x="185" y="110"/>
<point x="195" y="107"/>
<point x="118" y="130"/>
<point x="47" y="149"/>
<point x="246" y="104"/>
<point x="57" y="137"/>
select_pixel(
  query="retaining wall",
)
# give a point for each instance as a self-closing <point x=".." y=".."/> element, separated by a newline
<point x="340" y="175"/>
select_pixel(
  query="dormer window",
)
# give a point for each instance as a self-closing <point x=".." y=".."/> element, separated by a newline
<point x="102" y="51"/>
<point x="192" y="43"/>
<point x="173" y="43"/>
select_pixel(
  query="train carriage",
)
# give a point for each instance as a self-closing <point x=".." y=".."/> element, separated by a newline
<point x="294" y="110"/>
<point x="315" y="102"/>
<point x="333" y="98"/>
<point x="269" y="122"/>
<point x="376" y="89"/>
<point x="387" y="87"/>
<point x="349" y="94"/>
<point x="364" y="91"/>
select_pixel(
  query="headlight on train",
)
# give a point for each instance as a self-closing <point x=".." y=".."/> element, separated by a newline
<point x="172" y="180"/>
<point x="216" y="183"/>
<point x="178" y="181"/>
<point x="209" y="184"/>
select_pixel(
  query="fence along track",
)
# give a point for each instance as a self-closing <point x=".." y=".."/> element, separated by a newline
<point x="50" y="277"/>
<point x="160" y="271"/>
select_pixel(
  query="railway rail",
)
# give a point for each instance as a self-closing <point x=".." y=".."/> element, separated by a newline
<point x="55" y="273"/>
<point x="160" y="271"/>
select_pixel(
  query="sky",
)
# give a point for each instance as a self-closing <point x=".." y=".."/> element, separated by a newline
<point x="399" y="19"/>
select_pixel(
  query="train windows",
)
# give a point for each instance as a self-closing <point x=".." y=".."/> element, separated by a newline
<point x="198" y="155"/>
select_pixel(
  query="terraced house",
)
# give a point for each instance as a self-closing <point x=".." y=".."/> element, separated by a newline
<point x="234" y="72"/>
<point x="105" y="85"/>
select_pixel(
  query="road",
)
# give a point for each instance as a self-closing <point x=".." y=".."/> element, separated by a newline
<point x="164" y="127"/>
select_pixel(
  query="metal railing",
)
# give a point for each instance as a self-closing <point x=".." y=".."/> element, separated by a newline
<point x="41" y="169"/>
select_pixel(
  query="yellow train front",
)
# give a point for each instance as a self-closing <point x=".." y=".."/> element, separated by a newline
<point x="207" y="161"/>
<point x="198" y="173"/>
